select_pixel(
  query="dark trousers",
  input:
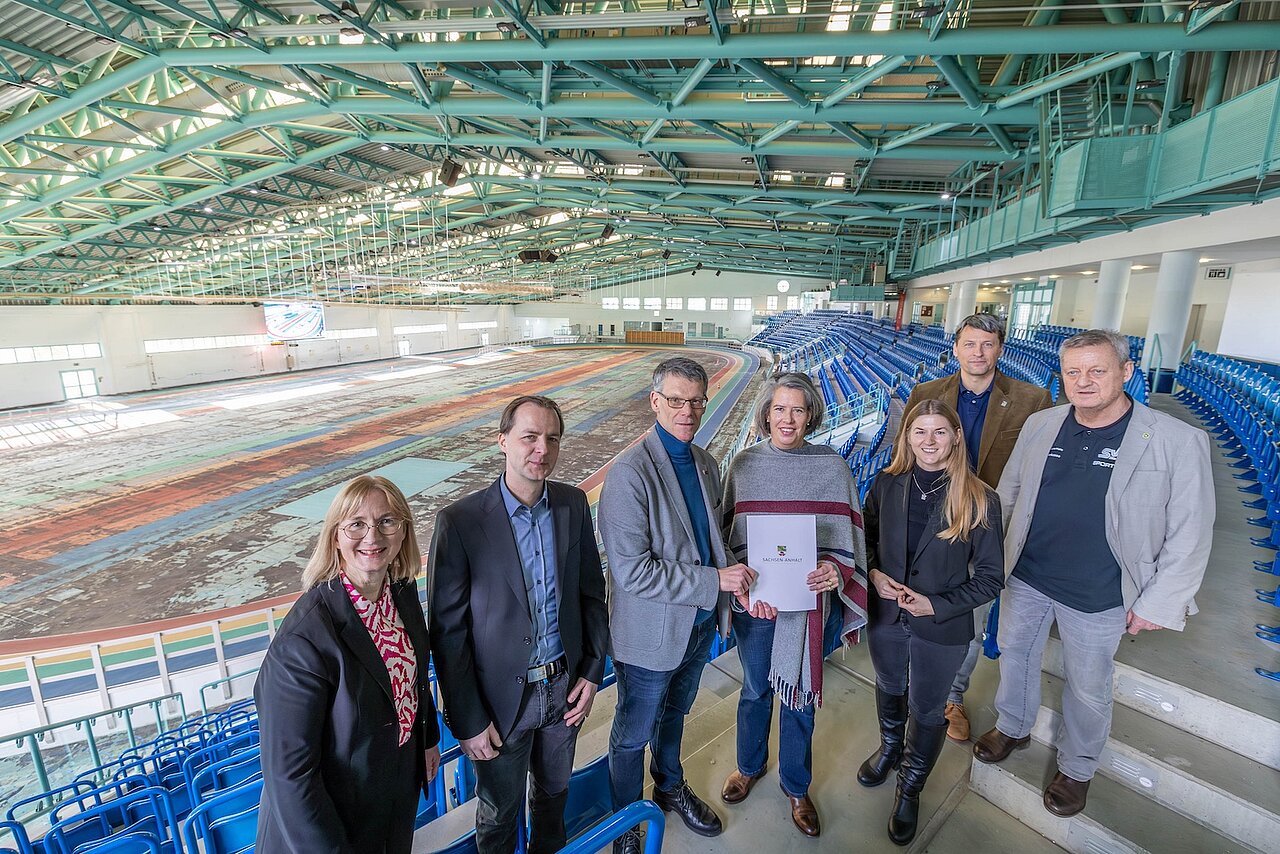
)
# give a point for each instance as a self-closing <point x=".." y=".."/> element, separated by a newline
<point x="907" y="664"/>
<point x="652" y="705"/>
<point x="541" y="745"/>
<point x="755" y="712"/>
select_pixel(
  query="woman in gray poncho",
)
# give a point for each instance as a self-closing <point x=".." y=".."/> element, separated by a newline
<point x="782" y="653"/>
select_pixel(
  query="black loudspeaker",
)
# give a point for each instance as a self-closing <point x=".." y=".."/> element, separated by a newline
<point x="528" y="256"/>
<point x="607" y="232"/>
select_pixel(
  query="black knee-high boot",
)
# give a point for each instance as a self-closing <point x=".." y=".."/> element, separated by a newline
<point x="923" y="745"/>
<point x="892" y="711"/>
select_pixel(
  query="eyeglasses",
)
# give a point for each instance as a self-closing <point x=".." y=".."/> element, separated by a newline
<point x="698" y="403"/>
<point x="386" y="526"/>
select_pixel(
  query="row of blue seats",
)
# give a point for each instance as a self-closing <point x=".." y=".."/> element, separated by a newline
<point x="1239" y="404"/>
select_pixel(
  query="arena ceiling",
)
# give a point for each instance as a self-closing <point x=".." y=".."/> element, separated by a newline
<point x="408" y="151"/>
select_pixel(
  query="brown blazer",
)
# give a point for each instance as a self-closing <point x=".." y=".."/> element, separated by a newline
<point x="1012" y="402"/>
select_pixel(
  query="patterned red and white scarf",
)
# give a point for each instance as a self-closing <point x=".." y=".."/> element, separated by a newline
<point x="385" y="627"/>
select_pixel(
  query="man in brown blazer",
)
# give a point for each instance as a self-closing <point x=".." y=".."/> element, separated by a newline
<point x="992" y="409"/>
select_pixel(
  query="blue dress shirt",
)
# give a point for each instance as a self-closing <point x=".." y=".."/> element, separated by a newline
<point x="534" y="531"/>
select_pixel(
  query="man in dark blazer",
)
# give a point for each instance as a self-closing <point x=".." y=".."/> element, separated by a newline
<point x="519" y="627"/>
<point x="992" y="409"/>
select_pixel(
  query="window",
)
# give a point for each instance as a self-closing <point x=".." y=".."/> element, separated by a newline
<point x="719" y="303"/>
<point x="742" y="303"/>
<point x="50" y="353"/>
<point x="631" y="303"/>
<point x="697" y="303"/>
<point x="332" y="334"/>
<point x="609" y="303"/>
<point x="418" y="330"/>
<point x="1031" y="306"/>
<point x="770" y="303"/>
<point x="793" y="303"/>
<point x="479" y="324"/>
<point x="214" y="342"/>
<point x="652" y="303"/>
<point x="675" y="303"/>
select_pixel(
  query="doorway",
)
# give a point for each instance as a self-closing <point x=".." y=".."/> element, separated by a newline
<point x="78" y="384"/>
<point x="1195" y="326"/>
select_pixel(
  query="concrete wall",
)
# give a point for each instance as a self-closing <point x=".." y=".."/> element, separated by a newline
<point x="1251" y="322"/>
<point x="542" y="318"/>
<point x="125" y="366"/>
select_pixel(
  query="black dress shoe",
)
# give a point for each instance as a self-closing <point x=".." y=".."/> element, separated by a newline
<point x="693" y="811"/>
<point x="630" y="842"/>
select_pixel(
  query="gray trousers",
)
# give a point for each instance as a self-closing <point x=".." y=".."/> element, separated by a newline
<point x="1089" y="643"/>
<point x="961" y="683"/>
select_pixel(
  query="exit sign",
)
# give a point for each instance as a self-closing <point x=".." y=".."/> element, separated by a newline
<point x="1217" y="272"/>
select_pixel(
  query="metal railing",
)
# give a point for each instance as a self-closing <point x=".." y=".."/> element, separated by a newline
<point x="38" y="744"/>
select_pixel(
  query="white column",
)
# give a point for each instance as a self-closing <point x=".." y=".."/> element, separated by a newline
<point x="952" y="320"/>
<point x="1171" y="308"/>
<point x="1113" y="287"/>
<point x="966" y="302"/>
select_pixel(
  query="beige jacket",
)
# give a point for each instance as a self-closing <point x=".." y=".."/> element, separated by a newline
<point x="1159" y="515"/>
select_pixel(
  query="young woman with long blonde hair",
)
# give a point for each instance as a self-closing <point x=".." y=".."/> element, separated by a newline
<point x="935" y="553"/>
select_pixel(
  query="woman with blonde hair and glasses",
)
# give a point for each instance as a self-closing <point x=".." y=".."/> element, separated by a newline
<point x="935" y="553"/>
<point x="348" y="725"/>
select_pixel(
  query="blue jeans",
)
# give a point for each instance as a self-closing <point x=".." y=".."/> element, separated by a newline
<point x="652" y="705"/>
<point x="540" y="746"/>
<point x="755" y="711"/>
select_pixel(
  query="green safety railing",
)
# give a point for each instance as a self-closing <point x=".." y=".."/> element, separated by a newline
<point x="39" y="742"/>
<point x="224" y="683"/>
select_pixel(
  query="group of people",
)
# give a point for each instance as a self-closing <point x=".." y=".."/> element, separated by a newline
<point x="1096" y="515"/>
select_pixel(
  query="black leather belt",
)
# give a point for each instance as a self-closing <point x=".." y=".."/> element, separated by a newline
<point x="543" y="672"/>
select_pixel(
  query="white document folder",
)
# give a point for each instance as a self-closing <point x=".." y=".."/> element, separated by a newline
<point x="783" y="549"/>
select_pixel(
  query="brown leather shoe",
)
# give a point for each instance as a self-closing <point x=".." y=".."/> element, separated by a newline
<point x="994" y="746"/>
<point x="737" y="786"/>
<point x="1065" y="797"/>
<point x="957" y="722"/>
<point x="805" y="816"/>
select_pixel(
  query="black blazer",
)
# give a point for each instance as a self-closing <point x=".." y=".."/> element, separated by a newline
<point x="334" y="776"/>
<point x="940" y="570"/>
<point x="479" y="611"/>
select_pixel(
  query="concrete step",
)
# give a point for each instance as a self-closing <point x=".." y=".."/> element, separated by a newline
<point x="1237" y="797"/>
<point x="1250" y="734"/>
<point x="1116" y="820"/>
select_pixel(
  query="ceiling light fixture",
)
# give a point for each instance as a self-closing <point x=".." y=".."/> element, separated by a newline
<point x="238" y="32"/>
<point x="695" y="21"/>
<point x="507" y="27"/>
<point x="349" y="9"/>
<point x="935" y="84"/>
<point x="384" y="147"/>
<point x="104" y="40"/>
<point x="327" y="18"/>
<point x="207" y="209"/>
<point x="218" y="37"/>
<point x="1143" y="85"/>
<point x="946" y="197"/>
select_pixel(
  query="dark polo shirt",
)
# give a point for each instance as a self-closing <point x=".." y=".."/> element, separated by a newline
<point x="972" y="409"/>
<point x="1066" y="556"/>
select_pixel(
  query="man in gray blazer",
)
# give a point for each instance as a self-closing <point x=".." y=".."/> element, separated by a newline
<point x="659" y="519"/>
<point x="1109" y="511"/>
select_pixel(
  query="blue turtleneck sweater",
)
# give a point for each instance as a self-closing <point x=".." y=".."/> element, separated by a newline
<point x="681" y="455"/>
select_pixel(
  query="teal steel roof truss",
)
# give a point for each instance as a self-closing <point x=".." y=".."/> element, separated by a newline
<point x="400" y="151"/>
